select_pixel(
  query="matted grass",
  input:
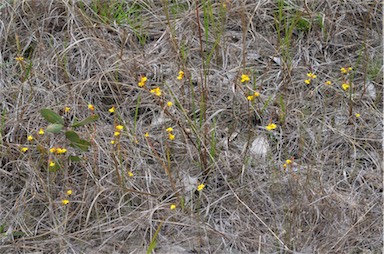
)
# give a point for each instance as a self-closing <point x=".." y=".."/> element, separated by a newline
<point x="219" y="181"/>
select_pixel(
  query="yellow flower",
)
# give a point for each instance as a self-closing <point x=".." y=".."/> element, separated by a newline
<point x="256" y="94"/>
<point x="19" y="58"/>
<point x="169" y="129"/>
<point x="30" y="138"/>
<point x="173" y="207"/>
<point x="52" y="164"/>
<point x="349" y="69"/>
<point x="311" y="75"/>
<point x="244" y="78"/>
<point x="345" y="70"/>
<point x="345" y="86"/>
<point x="328" y="83"/>
<point x="285" y="166"/>
<point x="143" y="79"/>
<point x="171" y="136"/>
<point x="41" y="131"/>
<point x="288" y="161"/>
<point x="116" y="134"/>
<point x="119" y="127"/>
<point x="250" y="97"/>
<point x="181" y="75"/>
<point x="146" y="135"/>
<point x="69" y="192"/>
<point x="169" y="103"/>
<point x="24" y="149"/>
<point x="156" y="91"/>
<point x="357" y="115"/>
<point x="111" y="110"/>
<point x="53" y="150"/>
<point x="65" y="201"/>
<point x="113" y="142"/>
<point x="91" y="107"/>
<point x="307" y="81"/>
<point x="130" y="174"/>
<point x="200" y="187"/>
<point x="67" y="109"/>
<point x="271" y="126"/>
<point x="61" y="150"/>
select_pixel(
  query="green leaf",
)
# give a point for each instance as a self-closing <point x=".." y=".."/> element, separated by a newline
<point x="51" y="116"/>
<point x="72" y="136"/>
<point x="81" y="144"/>
<point x="54" y="128"/>
<point x="75" y="158"/>
<point x="86" y="121"/>
<point x="153" y="243"/>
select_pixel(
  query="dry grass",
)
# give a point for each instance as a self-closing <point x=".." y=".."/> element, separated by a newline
<point x="329" y="201"/>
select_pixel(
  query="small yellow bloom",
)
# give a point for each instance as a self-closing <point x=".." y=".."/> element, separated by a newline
<point x="169" y="129"/>
<point x="345" y="86"/>
<point x="156" y="91"/>
<point x="173" y="207"/>
<point x="357" y="115"/>
<point x="69" y="192"/>
<point x="307" y="81"/>
<point x="30" y="138"/>
<point x="271" y="126"/>
<point x="61" y="150"/>
<point x="171" y="136"/>
<point x="130" y="174"/>
<point x="169" y="103"/>
<point x="119" y="127"/>
<point x="288" y="161"/>
<point x="113" y="142"/>
<point x="143" y="79"/>
<point x="116" y="133"/>
<point x="52" y="164"/>
<point x="41" y="131"/>
<point x="53" y="150"/>
<point x="349" y="69"/>
<point x="91" y="107"/>
<point x="256" y="94"/>
<point x="285" y="166"/>
<point x="24" y="149"/>
<point x="328" y="83"/>
<point x="343" y="70"/>
<point x="250" y="97"/>
<point x="311" y="75"/>
<point x="181" y="75"/>
<point x="244" y="78"/>
<point x="67" y="109"/>
<point x="146" y="135"/>
<point x="111" y="110"/>
<point x="200" y="187"/>
<point x="65" y="201"/>
<point x="19" y="58"/>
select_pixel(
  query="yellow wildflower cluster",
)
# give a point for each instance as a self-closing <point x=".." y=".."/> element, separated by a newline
<point x="156" y="91"/>
<point x="57" y="150"/>
<point x="287" y="163"/>
<point x="142" y="81"/>
<point x="91" y="107"/>
<point x="345" y="70"/>
<point x="244" y="78"/>
<point x="271" y="126"/>
<point x="19" y="58"/>
<point x="253" y="96"/>
<point x="171" y="136"/>
<point x="345" y="86"/>
<point x="310" y="76"/>
<point x="181" y="75"/>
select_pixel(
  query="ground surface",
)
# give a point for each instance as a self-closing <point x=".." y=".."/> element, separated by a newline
<point x="327" y="198"/>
